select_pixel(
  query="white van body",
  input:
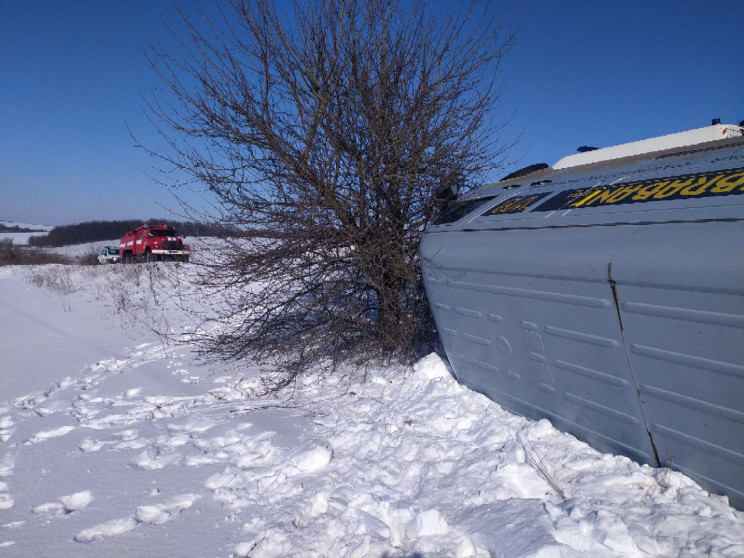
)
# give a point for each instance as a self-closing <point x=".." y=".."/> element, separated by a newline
<point x="608" y="297"/>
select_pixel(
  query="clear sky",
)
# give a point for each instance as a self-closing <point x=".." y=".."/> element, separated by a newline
<point x="582" y="73"/>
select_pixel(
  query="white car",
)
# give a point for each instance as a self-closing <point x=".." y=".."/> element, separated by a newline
<point x="108" y="254"/>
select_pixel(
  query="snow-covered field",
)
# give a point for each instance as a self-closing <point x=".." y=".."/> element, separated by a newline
<point x="115" y="443"/>
<point x="22" y="238"/>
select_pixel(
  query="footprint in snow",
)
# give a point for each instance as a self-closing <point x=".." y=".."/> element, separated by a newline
<point x="48" y="434"/>
<point x="152" y="459"/>
<point x="134" y="392"/>
<point x="65" y="504"/>
<point x="7" y="464"/>
<point x="167" y="511"/>
<point x="6" y="427"/>
<point x="6" y="501"/>
<point x="154" y="515"/>
<point x="105" y="530"/>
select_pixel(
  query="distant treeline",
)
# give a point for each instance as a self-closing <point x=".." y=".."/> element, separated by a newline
<point x="95" y="231"/>
<point x="16" y="229"/>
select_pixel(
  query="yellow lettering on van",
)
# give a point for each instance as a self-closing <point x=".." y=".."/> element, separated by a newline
<point x="678" y="185"/>
<point x="506" y="207"/>
<point x="729" y="183"/>
<point x="520" y="204"/>
<point x="702" y="184"/>
<point x="673" y="188"/>
<point x="622" y="193"/>
<point x="599" y="195"/>
<point x="514" y="205"/>
<point x="649" y="190"/>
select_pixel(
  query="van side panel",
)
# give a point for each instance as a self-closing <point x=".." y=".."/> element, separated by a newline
<point x="622" y="323"/>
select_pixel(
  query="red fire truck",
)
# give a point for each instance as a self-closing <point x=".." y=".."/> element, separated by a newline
<point x="151" y="243"/>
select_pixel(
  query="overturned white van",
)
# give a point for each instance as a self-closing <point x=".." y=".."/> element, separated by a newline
<point x="607" y="294"/>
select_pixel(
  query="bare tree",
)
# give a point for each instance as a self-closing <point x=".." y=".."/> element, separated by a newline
<point x="325" y="131"/>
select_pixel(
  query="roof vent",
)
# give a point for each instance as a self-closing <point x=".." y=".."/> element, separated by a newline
<point x="715" y="121"/>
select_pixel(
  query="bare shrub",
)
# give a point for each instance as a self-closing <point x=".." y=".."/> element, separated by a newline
<point x="7" y="251"/>
<point x="12" y="254"/>
<point x="57" y="279"/>
<point x="324" y="134"/>
<point x="91" y="258"/>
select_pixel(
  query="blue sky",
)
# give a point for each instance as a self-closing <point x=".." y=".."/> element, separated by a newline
<point x="581" y="73"/>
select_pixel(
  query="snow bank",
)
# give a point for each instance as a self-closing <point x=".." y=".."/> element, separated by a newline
<point x="133" y="447"/>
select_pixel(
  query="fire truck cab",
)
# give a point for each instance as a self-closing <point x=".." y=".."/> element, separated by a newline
<point x="153" y="243"/>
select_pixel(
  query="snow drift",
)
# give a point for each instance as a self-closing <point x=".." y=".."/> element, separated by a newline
<point x="114" y="442"/>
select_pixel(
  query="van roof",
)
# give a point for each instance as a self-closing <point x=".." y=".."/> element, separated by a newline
<point x="659" y="143"/>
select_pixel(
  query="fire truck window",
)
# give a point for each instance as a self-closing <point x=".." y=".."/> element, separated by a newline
<point x="161" y="233"/>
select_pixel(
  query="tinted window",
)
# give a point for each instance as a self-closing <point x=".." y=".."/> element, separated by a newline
<point x="458" y="210"/>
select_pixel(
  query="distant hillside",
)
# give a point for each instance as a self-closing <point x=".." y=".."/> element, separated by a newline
<point x="95" y="231"/>
<point x="6" y="228"/>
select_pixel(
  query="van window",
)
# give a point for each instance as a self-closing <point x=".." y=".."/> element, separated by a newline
<point x="457" y="210"/>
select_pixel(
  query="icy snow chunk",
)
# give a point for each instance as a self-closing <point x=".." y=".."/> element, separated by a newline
<point x="467" y="422"/>
<point x="271" y="542"/>
<point x="108" y="529"/>
<point x="50" y="508"/>
<point x="516" y="528"/>
<point x="51" y="408"/>
<point x="200" y="460"/>
<point x="319" y="504"/>
<point x="431" y="367"/>
<point x="613" y="532"/>
<point x="6" y="501"/>
<point x="167" y="511"/>
<point x="541" y="429"/>
<point x="127" y="435"/>
<point x="173" y="441"/>
<point x="150" y="463"/>
<point x="427" y="523"/>
<point x="77" y="501"/>
<point x="66" y="504"/>
<point x="362" y="549"/>
<point x="373" y="525"/>
<point x="518" y="480"/>
<point x="7" y="464"/>
<point x="244" y="548"/>
<point x="308" y="510"/>
<point x="226" y="479"/>
<point x="193" y="426"/>
<point x="6" y="433"/>
<point x="88" y="445"/>
<point x="314" y="460"/>
<point x="152" y="514"/>
<point x="47" y="434"/>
